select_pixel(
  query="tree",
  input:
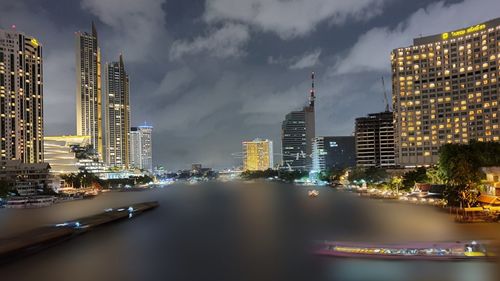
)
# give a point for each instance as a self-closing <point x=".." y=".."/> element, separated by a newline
<point x="371" y="174"/>
<point x="436" y="175"/>
<point x="419" y="175"/>
<point x="396" y="183"/>
<point x="5" y="188"/>
<point x="459" y="167"/>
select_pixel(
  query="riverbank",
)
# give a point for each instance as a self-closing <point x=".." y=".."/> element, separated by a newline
<point x="480" y="214"/>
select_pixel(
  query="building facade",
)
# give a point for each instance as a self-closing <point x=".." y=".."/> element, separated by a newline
<point x="297" y="133"/>
<point x="88" y="89"/>
<point x="374" y="135"/>
<point x="257" y="155"/>
<point x="21" y="97"/>
<point x="333" y="153"/>
<point x="26" y="178"/>
<point x="61" y="155"/>
<point x="117" y="116"/>
<point x="141" y="148"/>
<point x="446" y="91"/>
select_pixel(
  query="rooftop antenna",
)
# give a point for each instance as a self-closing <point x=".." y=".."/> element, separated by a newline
<point x="312" y="97"/>
<point x="385" y="96"/>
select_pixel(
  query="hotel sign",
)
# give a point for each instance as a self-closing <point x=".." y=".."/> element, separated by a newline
<point x="34" y="42"/>
<point x="463" y="32"/>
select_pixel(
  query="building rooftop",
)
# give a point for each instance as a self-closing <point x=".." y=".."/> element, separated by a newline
<point x="456" y="33"/>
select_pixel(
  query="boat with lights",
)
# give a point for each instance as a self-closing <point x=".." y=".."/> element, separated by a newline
<point x="424" y="251"/>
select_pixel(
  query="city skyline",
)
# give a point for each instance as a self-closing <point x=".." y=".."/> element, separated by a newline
<point x="260" y="109"/>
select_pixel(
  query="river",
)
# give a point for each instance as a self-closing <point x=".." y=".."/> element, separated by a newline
<point x="242" y="232"/>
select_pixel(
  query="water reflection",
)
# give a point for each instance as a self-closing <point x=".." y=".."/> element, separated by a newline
<point x="236" y="232"/>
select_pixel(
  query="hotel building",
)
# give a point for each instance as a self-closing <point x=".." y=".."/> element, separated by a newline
<point x="88" y="89"/>
<point x="257" y="155"/>
<point x="141" y="148"/>
<point x="21" y="97"/>
<point x="374" y="136"/>
<point x="117" y="117"/>
<point x="445" y="90"/>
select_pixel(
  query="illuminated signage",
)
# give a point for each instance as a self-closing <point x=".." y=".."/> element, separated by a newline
<point x="34" y="42"/>
<point x="462" y="32"/>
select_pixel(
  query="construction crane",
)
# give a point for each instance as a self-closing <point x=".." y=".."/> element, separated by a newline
<point x="385" y="95"/>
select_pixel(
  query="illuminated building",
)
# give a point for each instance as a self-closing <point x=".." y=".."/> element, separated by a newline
<point x="257" y="155"/>
<point x="297" y="132"/>
<point x="88" y="89"/>
<point x="141" y="148"/>
<point x="26" y="178"/>
<point x="69" y="154"/>
<point x="446" y="91"/>
<point x="21" y="97"/>
<point x="333" y="153"/>
<point x="117" y="117"/>
<point x="374" y="136"/>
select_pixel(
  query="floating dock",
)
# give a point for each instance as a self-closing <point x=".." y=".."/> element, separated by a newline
<point x="46" y="236"/>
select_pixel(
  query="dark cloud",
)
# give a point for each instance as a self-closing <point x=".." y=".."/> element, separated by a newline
<point x="208" y="74"/>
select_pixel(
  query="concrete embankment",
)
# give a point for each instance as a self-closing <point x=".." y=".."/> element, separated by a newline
<point x="43" y="237"/>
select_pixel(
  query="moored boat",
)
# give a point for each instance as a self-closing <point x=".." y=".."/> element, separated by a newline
<point x="432" y="251"/>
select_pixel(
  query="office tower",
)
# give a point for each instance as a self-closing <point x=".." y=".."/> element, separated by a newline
<point x="446" y="91"/>
<point x="333" y="153"/>
<point x="117" y="117"/>
<point x="257" y="155"/>
<point x="88" y="89"/>
<point x="374" y="136"/>
<point x="297" y="132"/>
<point x="141" y="148"/>
<point x="21" y="97"/>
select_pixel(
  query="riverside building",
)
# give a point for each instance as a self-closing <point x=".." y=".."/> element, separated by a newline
<point x="21" y="97"/>
<point x="257" y="155"/>
<point x="117" y="118"/>
<point x="297" y="133"/>
<point x="374" y="135"/>
<point x="445" y="90"/>
<point x="88" y="89"/>
<point x="141" y="148"/>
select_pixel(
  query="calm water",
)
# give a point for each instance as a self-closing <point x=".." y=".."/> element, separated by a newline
<point x="235" y="232"/>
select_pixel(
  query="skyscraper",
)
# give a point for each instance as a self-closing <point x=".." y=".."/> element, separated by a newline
<point x="333" y="153"/>
<point x="446" y="91"/>
<point x="141" y="147"/>
<point x="257" y="155"/>
<point x="375" y="140"/>
<point x="21" y="98"/>
<point x="88" y="89"/>
<point x="117" y="117"/>
<point x="297" y="132"/>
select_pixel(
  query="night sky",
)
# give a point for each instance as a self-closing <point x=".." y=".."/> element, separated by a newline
<point x="208" y="74"/>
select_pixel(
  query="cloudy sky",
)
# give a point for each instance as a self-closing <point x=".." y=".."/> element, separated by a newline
<point x="208" y="74"/>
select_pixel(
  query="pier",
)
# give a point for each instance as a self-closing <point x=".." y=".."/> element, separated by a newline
<point x="46" y="236"/>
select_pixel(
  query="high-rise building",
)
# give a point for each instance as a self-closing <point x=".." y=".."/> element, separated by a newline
<point x="21" y="97"/>
<point x="88" y="89"/>
<point x="257" y="155"/>
<point x="141" y="147"/>
<point x="117" y="117"/>
<point x="374" y="136"/>
<point x="333" y="153"/>
<point x="297" y="132"/>
<point x="446" y="91"/>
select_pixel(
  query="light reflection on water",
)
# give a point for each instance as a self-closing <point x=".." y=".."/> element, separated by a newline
<point x="232" y="232"/>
